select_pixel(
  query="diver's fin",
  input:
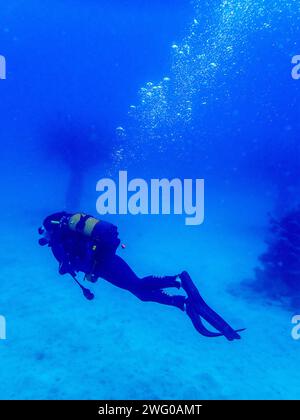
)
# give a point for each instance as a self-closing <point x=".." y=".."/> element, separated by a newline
<point x="197" y="322"/>
<point x="203" y="310"/>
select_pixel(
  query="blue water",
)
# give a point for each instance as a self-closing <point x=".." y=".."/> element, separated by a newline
<point x="199" y="89"/>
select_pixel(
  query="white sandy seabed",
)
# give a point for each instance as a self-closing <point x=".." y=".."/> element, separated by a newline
<point x="60" y="346"/>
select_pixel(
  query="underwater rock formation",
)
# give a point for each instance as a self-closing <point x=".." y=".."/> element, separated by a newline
<point x="80" y="147"/>
<point x="279" y="274"/>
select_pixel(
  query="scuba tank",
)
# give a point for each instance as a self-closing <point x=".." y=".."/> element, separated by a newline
<point x="104" y="234"/>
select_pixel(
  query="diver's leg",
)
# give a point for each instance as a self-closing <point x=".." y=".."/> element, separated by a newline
<point x="117" y="271"/>
<point x="161" y="297"/>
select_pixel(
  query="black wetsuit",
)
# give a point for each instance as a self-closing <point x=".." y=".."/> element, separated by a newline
<point x="73" y="251"/>
<point x="96" y="257"/>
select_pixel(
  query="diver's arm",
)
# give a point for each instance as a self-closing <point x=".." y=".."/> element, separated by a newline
<point x="63" y="258"/>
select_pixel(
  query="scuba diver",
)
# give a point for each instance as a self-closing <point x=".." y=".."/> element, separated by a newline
<point x="81" y="243"/>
